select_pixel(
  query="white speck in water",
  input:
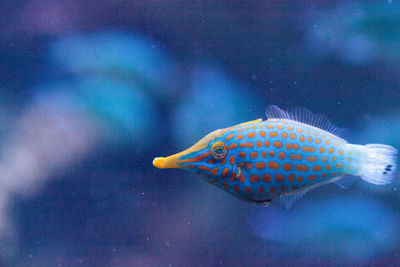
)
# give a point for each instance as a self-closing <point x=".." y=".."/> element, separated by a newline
<point x="389" y="1"/>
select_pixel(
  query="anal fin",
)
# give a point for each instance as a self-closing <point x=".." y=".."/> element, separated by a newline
<point x="287" y="200"/>
<point x="346" y="181"/>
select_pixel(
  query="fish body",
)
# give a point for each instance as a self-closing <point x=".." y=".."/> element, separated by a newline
<point x="282" y="156"/>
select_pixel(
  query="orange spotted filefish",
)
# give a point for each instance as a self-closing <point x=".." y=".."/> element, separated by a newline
<point x="285" y="156"/>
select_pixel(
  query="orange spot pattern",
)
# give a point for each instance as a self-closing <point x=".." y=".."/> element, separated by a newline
<point x="225" y="172"/>
<point x="292" y="146"/>
<point x="259" y="144"/>
<point x="317" y="168"/>
<point x="296" y="156"/>
<point x="281" y="155"/>
<point x="339" y="165"/>
<point x="261" y="133"/>
<point x="241" y="178"/>
<point x="264" y="154"/>
<point x="266" y="178"/>
<point x="251" y="135"/>
<point x="328" y="167"/>
<point x="253" y="154"/>
<point x="242" y="154"/>
<point x="233" y="145"/>
<point x="277" y="144"/>
<point x="240" y="136"/>
<point x="271" y="164"/>
<point x="308" y="149"/>
<point x="254" y="178"/>
<point x="311" y="158"/>
<point x="229" y="137"/>
<point x="301" y="167"/>
<point x="232" y="159"/>
<point x="279" y="178"/>
<point x="236" y="188"/>
<point x="287" y="166"/>
<point x="260" y="165"/>
<point x="312" y="177"/>
<point x="273" y="134"/>
<point x="246" y="145"/>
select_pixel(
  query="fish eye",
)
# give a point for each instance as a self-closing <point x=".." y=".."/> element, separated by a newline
<point x="218" y="150"/>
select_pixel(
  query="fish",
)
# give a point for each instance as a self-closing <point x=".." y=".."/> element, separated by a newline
<point x="284" y="156"/>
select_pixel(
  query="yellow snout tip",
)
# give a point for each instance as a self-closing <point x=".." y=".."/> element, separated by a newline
<point x="159" y="162"/>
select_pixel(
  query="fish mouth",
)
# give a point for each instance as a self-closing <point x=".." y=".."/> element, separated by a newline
<point x="165" y="162"/>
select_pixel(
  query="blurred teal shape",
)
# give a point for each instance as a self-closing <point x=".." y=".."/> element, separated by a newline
<point x="122" y="55"/>
<point x="358" y="32"/>
<point x="120" y="109"/>
<point x="352" y="227"/>
<point x="214" y="100"/>
<point x="128" y="112"/>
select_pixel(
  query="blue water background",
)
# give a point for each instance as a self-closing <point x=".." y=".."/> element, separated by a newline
<point x="92" y="91"/>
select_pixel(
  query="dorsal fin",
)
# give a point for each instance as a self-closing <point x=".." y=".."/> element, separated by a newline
<point x="305" y="116"/>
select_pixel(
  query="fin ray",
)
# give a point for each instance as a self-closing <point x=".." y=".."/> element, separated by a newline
<point x="303" y="115"/>
<point x="380" y="166"/>
<point x="345" y="181"/>
<point x="289" y="199"/>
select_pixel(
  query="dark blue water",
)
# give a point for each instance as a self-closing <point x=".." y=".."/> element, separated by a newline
<point x="91" y="92"/>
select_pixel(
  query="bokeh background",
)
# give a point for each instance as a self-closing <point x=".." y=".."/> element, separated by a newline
<point x="92" y="91"/>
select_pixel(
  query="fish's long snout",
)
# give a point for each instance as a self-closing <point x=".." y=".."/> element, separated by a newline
<point x="193" y="154"/>
<point x="166" y="162"/>
<point x="160" y="163"/>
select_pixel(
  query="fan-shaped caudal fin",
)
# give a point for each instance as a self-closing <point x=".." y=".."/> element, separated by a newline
<point x="380" y="165"/>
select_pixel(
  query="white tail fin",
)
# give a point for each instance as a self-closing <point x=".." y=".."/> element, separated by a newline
<point x="380" y="165"/>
